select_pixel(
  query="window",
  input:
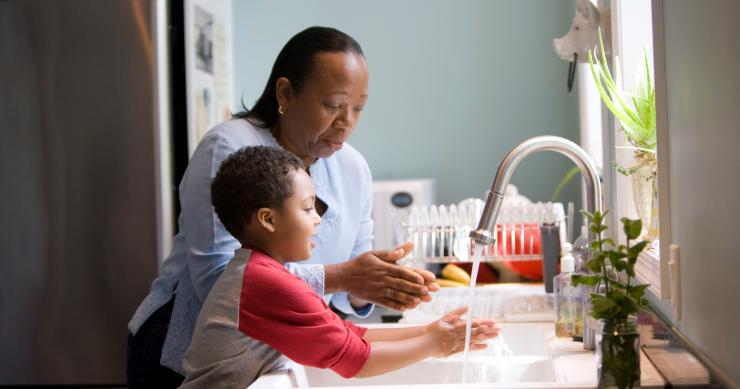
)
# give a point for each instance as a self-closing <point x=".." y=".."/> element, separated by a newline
<point x="633" y="28"/>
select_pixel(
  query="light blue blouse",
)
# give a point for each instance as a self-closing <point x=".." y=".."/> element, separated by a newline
<point x="203" y="247"/>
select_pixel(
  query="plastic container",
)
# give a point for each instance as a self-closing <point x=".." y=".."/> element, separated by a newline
<point x="568" y="299"/>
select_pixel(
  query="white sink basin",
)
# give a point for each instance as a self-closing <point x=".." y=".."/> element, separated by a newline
<point x="537" y="359"/>
<point x="530" y="362"/>
<point x="431" y="372"/>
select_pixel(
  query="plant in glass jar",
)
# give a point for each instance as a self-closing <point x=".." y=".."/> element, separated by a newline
<point x="615" y="301"/>
<point x="635" y="112"/>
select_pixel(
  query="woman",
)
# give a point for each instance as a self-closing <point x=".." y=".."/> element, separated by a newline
<point x="310" y="106"/>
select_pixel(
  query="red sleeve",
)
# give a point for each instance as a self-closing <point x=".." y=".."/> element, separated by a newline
<point x="281" y="310"/>
<point x="359" y="331"/>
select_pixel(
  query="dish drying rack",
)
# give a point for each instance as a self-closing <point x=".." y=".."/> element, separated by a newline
<point x="440" y="232"/>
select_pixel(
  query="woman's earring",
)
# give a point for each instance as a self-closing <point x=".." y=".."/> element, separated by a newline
<point x="280" y="109"/>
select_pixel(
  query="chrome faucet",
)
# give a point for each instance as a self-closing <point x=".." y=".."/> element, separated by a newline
<point x="485" y="233"/>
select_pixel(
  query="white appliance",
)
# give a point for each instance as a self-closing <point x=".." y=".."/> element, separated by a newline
<point x="392" y="200"/>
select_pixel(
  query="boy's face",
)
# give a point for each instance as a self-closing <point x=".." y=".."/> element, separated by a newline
<point x="297" y="220"/>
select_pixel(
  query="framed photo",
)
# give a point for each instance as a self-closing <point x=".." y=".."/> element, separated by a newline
<point x="208" y="66"/>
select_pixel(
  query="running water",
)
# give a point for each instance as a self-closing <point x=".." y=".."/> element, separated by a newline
<point x="471" y="307"/>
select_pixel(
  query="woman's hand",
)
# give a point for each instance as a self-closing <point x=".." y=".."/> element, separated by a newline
<point x="376" y="278"/>
<point x="448" y="333"/>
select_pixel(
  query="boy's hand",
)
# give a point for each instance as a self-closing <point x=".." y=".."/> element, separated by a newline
<point x="448" y="333"/>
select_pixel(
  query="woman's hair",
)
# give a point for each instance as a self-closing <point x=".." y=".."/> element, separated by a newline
<point x="249" y="179"/>
<point x="296" y="62"/>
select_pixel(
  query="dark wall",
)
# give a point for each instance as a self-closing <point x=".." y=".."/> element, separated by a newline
<point x="77" y="216"/>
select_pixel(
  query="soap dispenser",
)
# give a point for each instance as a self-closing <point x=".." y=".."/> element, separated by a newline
<point x="568" y="298"/>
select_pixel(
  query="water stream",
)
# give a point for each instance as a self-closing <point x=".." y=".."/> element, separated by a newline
<point x="471" y="307"/>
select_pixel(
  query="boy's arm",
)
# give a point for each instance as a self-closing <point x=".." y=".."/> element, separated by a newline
<point x="386" y="334"/>
<point x="396" y="348"/>
<point x="392" y="355"/>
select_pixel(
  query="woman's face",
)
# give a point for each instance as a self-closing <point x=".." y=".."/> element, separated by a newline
<point x="322" y="115"/>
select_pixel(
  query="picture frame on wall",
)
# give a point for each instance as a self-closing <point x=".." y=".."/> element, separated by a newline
<point x="208" y="66"/>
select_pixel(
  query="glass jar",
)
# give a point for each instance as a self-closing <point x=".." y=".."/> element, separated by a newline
<point x="618" y="353"/>
<point x="645" y="193"/>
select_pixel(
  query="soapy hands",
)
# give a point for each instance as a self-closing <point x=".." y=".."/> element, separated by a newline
<point x="448" y="333"/>
<point x="374" y="277"/>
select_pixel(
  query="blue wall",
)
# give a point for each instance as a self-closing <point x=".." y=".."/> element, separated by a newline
<point x="454" y="85"/>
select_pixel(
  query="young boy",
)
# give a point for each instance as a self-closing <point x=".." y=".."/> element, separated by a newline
<point x="258" y="313"/>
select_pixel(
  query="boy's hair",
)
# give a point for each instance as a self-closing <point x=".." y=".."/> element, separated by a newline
<point x="249" y="179"/>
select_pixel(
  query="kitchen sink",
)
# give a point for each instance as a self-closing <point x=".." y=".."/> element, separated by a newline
<point x="527" y="355"/>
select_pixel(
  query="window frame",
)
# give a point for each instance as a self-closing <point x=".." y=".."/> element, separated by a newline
<point x="652" y="267"/>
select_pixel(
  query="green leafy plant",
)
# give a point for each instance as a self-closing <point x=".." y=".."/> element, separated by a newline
<point x="561" y="185"/>
<point x="635" y="111"/>
<point x="616" y="300"/>
<point x="620" y="299"/>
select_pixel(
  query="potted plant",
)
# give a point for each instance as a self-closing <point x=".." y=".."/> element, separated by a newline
<point x="635" y="112"/>
<point x="615" y="301"/>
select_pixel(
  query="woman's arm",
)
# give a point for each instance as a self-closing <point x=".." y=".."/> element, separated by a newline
<point x="374" y="277"/>
<point x="208" y="246"/>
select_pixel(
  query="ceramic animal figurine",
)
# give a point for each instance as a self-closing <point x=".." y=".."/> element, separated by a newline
<point x="582" y="36"/>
